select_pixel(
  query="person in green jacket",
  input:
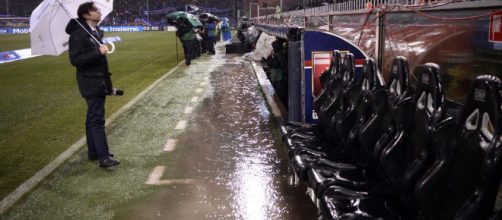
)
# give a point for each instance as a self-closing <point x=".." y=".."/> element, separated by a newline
<point x="188" y="38"/>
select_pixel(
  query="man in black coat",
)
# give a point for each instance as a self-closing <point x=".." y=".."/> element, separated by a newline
<point x="88" y="54"/>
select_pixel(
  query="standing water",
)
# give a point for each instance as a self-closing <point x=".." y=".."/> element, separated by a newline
<point x="232" y="154"/>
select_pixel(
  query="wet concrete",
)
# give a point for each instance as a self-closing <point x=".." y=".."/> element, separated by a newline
<point x="232" y="153"/>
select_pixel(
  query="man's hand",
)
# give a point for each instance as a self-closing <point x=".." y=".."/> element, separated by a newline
<point x="103" y="49"/>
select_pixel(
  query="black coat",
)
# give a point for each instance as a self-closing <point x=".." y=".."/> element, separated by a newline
<point x="93" y="77"/>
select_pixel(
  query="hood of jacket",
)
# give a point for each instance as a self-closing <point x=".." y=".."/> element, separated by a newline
<point x="73" y="26"/>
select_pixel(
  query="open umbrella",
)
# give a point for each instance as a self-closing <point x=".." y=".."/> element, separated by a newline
<point x="48" y="22"/>
<point x="181" y="14"/>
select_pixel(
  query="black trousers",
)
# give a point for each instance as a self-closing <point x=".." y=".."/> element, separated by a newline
<point x="188" y="49"/>
<point x="97" y="145"/>
<point x="210" y="45"/>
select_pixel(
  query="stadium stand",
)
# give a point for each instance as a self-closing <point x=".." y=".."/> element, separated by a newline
<point x="126" y="12"/>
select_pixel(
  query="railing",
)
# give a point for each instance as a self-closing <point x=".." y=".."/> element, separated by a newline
<point x="359" y="6"/>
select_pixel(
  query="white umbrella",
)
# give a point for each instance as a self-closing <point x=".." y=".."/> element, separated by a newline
<point x="48" y="22"/>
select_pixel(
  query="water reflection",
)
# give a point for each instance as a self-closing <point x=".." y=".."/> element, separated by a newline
<point x="251" y="191"/>
<point x="254" y="193"/>
<point x="254" y="182"/>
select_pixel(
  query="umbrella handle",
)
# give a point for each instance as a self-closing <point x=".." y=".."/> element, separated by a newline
<point x="113" y="47"/>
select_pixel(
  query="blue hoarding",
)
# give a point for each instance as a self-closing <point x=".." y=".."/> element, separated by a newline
<point x="14" y="30"/>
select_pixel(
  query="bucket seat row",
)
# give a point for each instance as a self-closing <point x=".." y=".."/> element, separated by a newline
<point x="396" y="151"/>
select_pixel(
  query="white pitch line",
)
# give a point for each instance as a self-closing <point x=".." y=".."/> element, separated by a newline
<point x="199" y="90"/>
<point x="170" y="145"/>
<point x="194" y="99"/>
<point x="158" y="172"/>
<point x="188" y="110"/>
<point x="173" y="181"/>
<point x="181" y="125"/>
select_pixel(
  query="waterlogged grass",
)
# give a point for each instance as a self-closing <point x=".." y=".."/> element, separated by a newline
<point x="79" y="189"/>
<point x="41" y="111"/>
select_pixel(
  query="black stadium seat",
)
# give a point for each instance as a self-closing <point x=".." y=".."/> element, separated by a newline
<point x="327" y="79"/>
<point x="368" y="118"/>
<point x="393" y="151"/>
<point x="302" y="156"/>
<point x="341" y="83"/>
<point x="465" y="177"/>
<point x="409" y="154"/>
<point x="373" y="121"/>
<point x="403" y="159"/>
<point x="296" y="134"/>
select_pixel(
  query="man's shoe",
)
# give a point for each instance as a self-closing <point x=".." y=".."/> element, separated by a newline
<point x="95" y="157"/>
<point x="108" y="162"/>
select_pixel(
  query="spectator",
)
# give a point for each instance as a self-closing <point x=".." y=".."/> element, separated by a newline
<point x="211" y="35"/>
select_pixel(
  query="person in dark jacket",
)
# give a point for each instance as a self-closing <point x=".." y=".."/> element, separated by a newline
<point x="88" y="54"/>
<point x="277" y="61"/>
<point x="211" y="35"/>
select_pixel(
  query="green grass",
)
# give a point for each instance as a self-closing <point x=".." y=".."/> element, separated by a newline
<point x="41" y="111"/>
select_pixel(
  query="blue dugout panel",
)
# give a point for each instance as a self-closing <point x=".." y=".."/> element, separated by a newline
<point x="317" y="48"/>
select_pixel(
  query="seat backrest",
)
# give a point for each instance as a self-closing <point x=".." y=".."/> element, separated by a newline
<point x="472" y="176"/>
<point x="428" y="99"/>
<point x="333" y="106"/>
<point x="369" y="110"/>
<point x="334" y="68"/>
<point x="398" y="81"/>
<point x="337" y="67"/>
<point x="372" y="79"/>
<point x="327" y="78"/>
<point x="399" y="96"/>
<point x="350" y="94"/>
<point x="408" y="154"/>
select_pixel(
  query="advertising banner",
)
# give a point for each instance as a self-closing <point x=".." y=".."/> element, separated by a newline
<point x="122" y="28"/>
<point x="14" y="30"/>
<point x="14" y="55"/>
<point x="104" y="28"/>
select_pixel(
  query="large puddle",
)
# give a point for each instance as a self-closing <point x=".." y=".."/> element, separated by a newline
<point x="236" y="162"/>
